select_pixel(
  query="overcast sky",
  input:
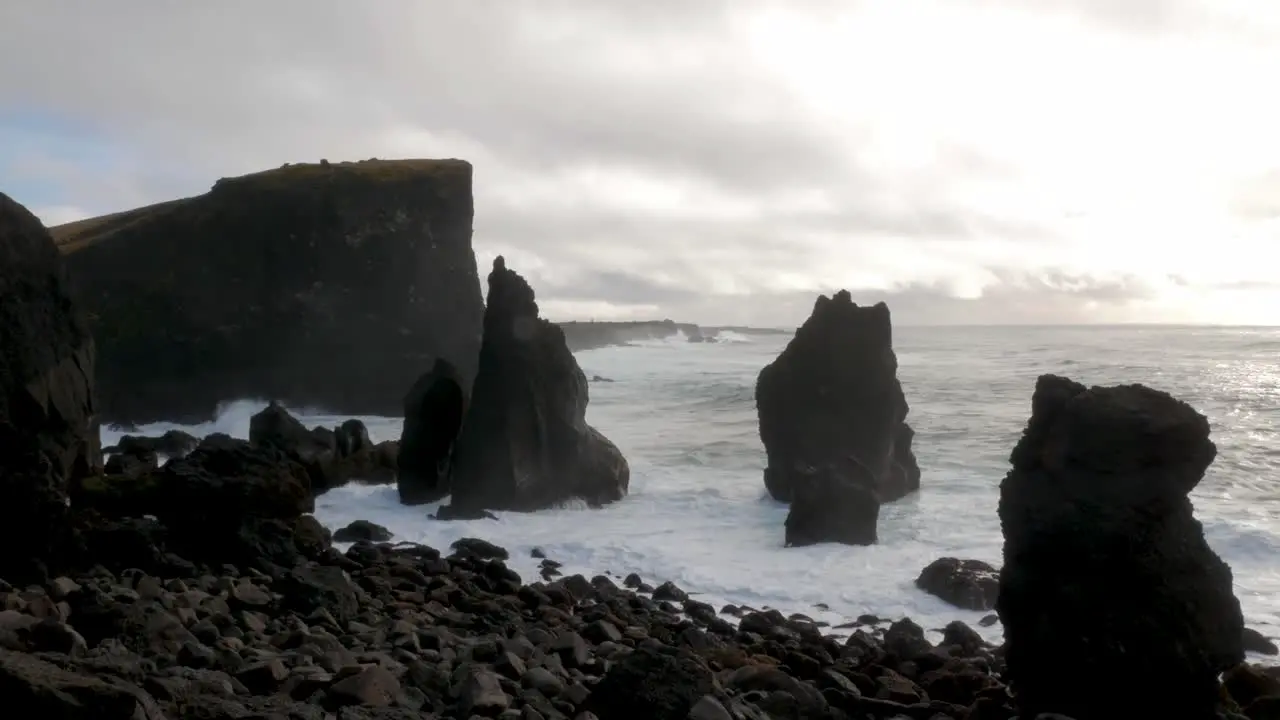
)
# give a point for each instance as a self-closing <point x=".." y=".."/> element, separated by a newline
<point x="718" y="161"/>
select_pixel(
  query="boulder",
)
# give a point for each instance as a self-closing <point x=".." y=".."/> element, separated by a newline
<point x="332" y="457"/>
<point x="325" y="286"/>
<point x="359" y="530"/>
<point x="833" y="503"/>
<point x="1106" y="571"/>
<point x="525" y="443"/>
<point x="968" y="584"/>
<point x="226" y="501"/>
<point x="48" y="429"/>
<point x="433" y="412"/>
<point x="173" y="443"/>
<point x="218" y="481"/>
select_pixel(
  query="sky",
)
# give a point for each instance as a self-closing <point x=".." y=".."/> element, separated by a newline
<point x="715" y="161"/>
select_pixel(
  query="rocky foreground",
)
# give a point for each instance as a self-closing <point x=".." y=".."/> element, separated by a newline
<point x="386" y="631"/>
<point x="403" y="632"/>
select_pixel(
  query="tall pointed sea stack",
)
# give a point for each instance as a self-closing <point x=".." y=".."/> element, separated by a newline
<point x="525" y="443"/>
<point x="48" y="434"/>
<point x="832" y="418"/>
<point x="1106" y="571"/>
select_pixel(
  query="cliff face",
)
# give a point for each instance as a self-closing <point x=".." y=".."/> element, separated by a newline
<point x="48" y="433"/>
<point x="331" y="286"/>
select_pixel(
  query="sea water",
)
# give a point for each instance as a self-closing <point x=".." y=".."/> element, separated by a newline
<point x="697" y="514"/>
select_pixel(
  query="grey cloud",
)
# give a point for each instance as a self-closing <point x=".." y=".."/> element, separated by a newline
<point x="618" y="288"/>
<point x="1035" y="302"/>
<point x="523" y="79"/>
<point x="528" y="91"/>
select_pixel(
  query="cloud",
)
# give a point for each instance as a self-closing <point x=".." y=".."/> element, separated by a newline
<point x="709" y="160"/>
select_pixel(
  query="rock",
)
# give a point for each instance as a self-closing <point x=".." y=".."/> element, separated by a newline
<point x="833" y="504"/>
<point x="833" y="394"/>
<point x="332" y="457"/>
<point x="1247" y="683"/>
<point x="42" y="689"/>
<point x="481" y="694"/>
<point x="173" y="443"/>
<point x="362" y="530"/>
<point x="317" y="285"/>
<point x="132" y="465"/>
<point x="525" y="443"/>
<point x="648" y="685"/>
<point x="219" y="480"/>
<point x="433" y="412"/>
<point x="968" y="584"/>
<point x="395" y="632"/>
<point x="1255" y="641"/>
<point x="373" y="686"/>
<point x="477" y="548"/>
<point x="1106" y="571"/>
<point x="48" y="427"/>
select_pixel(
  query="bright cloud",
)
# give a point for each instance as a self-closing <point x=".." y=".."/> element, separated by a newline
<point x="716" y="161"/>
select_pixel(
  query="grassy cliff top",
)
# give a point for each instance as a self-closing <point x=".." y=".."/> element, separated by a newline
<point x="82" y="233"/>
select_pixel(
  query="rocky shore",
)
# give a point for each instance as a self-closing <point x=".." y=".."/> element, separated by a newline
<point x="386" y="631"/>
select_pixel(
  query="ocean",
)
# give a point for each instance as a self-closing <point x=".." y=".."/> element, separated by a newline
<point x="698" y="515"/>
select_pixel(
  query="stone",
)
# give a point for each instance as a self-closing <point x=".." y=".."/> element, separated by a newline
<point x="325" y="286"/>
<point x="833" y="504"/>
<point x="48" y="413"/>
<point x="359" y="530"/>
<point x="968" y="584"/>
<point x="525" y="444"/>
<point x="433" y="412"/>
<point x="1106" y="570"/>
<point x="332" y="457"/>
<point x="41" y="689"/>
<point x="648" y="685"/>
<point x="171" y="444"/>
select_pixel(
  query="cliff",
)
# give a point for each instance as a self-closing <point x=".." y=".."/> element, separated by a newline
<point x="326" y="285"/>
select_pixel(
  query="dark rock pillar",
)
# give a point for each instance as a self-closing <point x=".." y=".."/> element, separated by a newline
<point x="1106" y="571"/>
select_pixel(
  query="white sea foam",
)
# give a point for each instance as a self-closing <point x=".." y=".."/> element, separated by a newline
<point x="684" y="415"/>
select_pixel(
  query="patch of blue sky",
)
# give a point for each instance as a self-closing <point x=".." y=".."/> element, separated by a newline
<point x="42" y="153"/>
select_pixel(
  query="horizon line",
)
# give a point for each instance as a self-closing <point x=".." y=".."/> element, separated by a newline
<point x="1161" y="325"/>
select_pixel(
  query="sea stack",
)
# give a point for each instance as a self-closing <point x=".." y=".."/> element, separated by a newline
<point x="525" y="443"/>
<point x="48" y="432"/>
<point x="328" y="286"/>
<point x="1106" y="571"/>
<point x="832" y="418"/>
<point x="433" y="411"/>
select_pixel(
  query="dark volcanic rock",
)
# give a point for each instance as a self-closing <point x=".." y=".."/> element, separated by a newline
<point x="399" y="632"/>
<point x="1106" y="571"/>
<point x="48" y="432"/>
<point x="173" y="443"/>
<point x="433" y="412"/>
<point x="833" y="504"/>
<point x="362" y="530"/>
<point x="969" y="584"/>
<point x="332" y="457"/>
<point x="525" y="443"/>
<point x="328" y="286"/>
<point x="832" y="415"/>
